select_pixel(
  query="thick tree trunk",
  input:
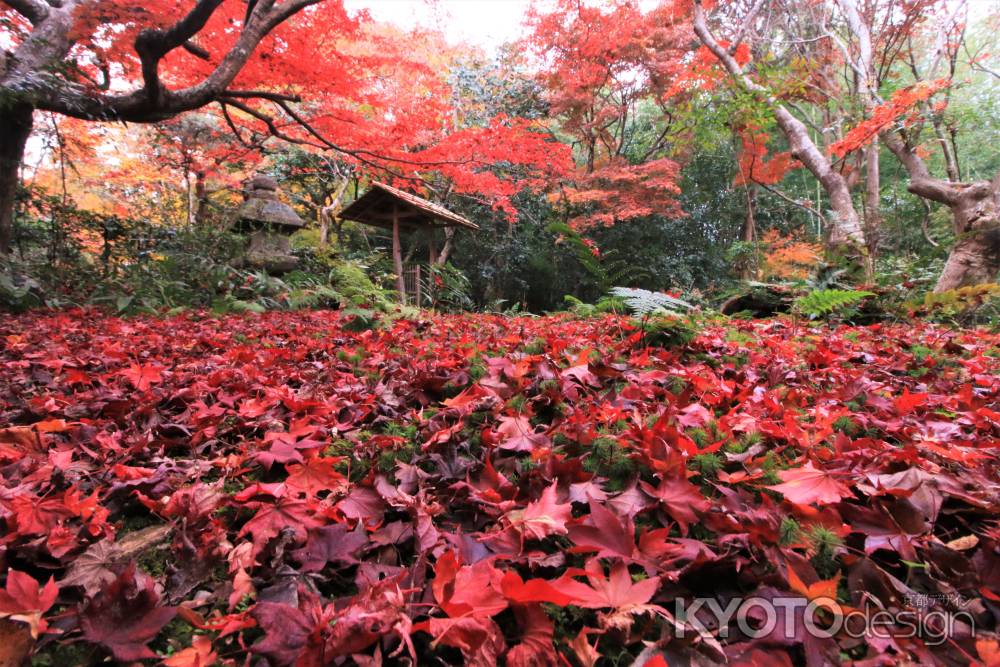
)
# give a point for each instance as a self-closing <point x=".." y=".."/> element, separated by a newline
<point x="15" y="126"/>
<point x="748" y="234"/>
<point x="189" y="189"/>
<point x="975" y="211"/>
<point x="324" y="226"/>
<point x="975" y="257"/>
<point x="449" y="235"/>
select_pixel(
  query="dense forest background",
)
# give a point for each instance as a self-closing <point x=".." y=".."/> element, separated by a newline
<point x="608" y="147"/>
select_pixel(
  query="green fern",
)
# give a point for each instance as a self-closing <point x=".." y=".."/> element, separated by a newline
<point x="642" y="302"/>
<point x="820" y="303"/>
<point x="606" y="269"/>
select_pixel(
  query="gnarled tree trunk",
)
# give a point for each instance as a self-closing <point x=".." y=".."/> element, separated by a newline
<point x="975" y="211"/>
<point x="15" y="126"/>
<point x="975" y="257"/>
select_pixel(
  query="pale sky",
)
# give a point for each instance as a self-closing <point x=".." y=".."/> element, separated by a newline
<point x="490" y="23"/>
<point x="483" y="23"/>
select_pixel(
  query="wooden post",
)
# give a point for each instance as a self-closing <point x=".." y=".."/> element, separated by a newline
<point x="419" y="288"/>
<point x="432" y="251"/>
<point x="397" y="256"/>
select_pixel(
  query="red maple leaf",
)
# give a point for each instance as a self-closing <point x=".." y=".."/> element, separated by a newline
<point x="471" y="590"/>
<point x="285" y="514"/>
<point x="144" y="375"/>
<point x="316" y="474"/>
<point x="25" y="601"/>
<point x="125" y="616"/>
<point x="808" y="484"/>
<point x="199" y="654"/>
<point x="680" y="499"/>
<point x="543" y="517"/>
<point x="907" y="402"/>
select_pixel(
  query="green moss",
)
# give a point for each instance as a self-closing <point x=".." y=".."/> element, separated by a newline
<point x="707" y="465"/>
<point x="517" y="402"/>
<point x="536" y="346"/>
<point x="790" y="531"/>
<point x="699" y="436"/>
<point x="745" y="442"/>
<point x="824" y="544"/>
<point x="737" y="336"/>
<point x="175" y="636"/>
<point x="58" y="654"/>
<point x="388" y="458"/>
<point x="477" y="369"/>
<point x="770" y="466"/>
<point x="608" y="458"/>
<point x="677" y="385"/>
<point x="548" y="385"/>
<point x="154" y="562"/>
<point x="921" y="353"/>
<point x="568" y="620"/>
<point x="847" y="426"/>
<point x="340" y="447"/>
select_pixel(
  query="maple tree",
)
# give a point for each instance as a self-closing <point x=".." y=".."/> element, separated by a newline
<point x="603" y="67"/>
<point x="846" y="230"/>
<point x="875" y="41"/>
<point x="974" y="206"/>
<point x="370" y="98"/>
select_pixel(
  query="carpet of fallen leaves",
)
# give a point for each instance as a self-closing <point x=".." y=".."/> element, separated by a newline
<point x="483" y="489"/>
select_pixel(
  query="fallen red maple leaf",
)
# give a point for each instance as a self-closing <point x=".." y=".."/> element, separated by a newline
<point x="25" y="601"/>
<point x="809" y="484"/>
<point x="269" y="520"/>
<point x="125" y="616"/>
<point x="679" y="498"/>
<point x="199" y="654"/>
<point x="543" y="517"/>
<point x="143" y="376"/>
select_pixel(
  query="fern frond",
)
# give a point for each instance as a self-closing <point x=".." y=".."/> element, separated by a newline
<point x="819" y="303"/>
<point x="642" y="302"/>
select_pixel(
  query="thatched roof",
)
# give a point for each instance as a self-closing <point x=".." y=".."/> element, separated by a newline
<point x="376" y="207"/>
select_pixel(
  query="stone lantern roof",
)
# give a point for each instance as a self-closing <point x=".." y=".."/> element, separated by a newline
<point x="261" y="206"/>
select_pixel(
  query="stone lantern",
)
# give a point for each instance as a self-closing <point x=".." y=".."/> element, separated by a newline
<point x="269" y="223"/>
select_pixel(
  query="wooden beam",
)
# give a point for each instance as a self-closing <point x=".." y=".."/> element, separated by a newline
<point x="397" y="256"/>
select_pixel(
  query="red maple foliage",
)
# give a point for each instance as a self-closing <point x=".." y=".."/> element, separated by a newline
<point x="753" y="164"/>
<point x="884" y="115"/>
<point x="599" y="64"/>
<point x="324" y="77"/>
<point x="552" y="505"/>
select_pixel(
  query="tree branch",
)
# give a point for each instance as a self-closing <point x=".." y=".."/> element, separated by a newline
<point x="261" y="94"/>
<point x="35" y="11"/>
<point x="847" y="230"/>
<point x="152" y="44"/>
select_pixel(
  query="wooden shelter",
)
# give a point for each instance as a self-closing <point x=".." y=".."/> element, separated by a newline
<point x="392" y="208"/>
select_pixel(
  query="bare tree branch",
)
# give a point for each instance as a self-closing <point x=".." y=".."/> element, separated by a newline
<point x="152" y="44"/>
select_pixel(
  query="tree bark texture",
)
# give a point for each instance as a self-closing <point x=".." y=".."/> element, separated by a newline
<point x="15" y="126"/>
